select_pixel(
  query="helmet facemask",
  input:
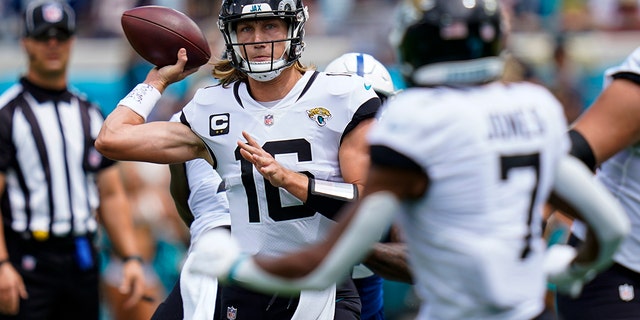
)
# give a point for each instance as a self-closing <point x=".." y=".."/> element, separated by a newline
<point x="235" y="51"/>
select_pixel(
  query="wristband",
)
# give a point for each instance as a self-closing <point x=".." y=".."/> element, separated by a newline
<point x="328" y="197"/>
<point x="134" y="257"/>
<point x="4" y="261"/>
<point x="141" y="99"/>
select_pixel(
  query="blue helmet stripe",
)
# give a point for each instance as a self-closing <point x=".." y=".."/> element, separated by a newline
<point x="360" y="65"/>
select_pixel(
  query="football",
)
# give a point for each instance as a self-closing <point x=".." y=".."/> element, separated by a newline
<point x="156" y="33"/>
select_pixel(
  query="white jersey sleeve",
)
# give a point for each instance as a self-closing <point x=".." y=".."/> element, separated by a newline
<point x="631" y="64"/>
<point x="207" y="200"/>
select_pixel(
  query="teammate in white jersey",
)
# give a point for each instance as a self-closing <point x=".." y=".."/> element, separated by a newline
<point x="289" y="142"/>
<point x="606" y="136"/>
<point x="469" y="162"/>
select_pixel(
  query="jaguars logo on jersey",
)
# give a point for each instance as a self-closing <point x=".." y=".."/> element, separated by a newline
<point x="320" y="115"/>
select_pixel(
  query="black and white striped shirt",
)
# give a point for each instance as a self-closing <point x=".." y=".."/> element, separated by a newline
<point x="49" y="161"/>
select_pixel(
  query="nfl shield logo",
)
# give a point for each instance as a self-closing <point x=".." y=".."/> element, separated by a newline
<point x="52" y="13"/>
<point x="28" y="263"/>
<point x="626" y="292"/>
<point x="268" y="119"/>
<point x="231" y="313"/>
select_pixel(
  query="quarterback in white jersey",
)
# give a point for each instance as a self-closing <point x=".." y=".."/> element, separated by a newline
<point x="265" y="219"/>
<point x="606" y="137"/>
<point x="468" y="163"/>
<point x="288" y="142"/>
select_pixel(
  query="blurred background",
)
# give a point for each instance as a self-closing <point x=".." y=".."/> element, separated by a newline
<point x="564" y="45"/>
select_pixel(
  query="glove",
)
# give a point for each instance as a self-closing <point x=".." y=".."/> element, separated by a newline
<point x="214" y="254"/>
<point x="567" y="277"/>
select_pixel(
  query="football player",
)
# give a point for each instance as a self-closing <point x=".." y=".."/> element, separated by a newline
<point x="288" y="141"/>
<point x="606" y="137"/>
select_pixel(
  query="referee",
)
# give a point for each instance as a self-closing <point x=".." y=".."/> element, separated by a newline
<point x="53" y="183"/>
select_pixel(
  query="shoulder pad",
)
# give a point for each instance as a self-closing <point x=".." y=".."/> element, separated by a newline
<point x="340" y="84"/>
<point x="207" y="95"/>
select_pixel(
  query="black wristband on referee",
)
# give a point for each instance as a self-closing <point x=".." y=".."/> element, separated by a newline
<point x="328" y="197"/>
<point x="126" y="259"/>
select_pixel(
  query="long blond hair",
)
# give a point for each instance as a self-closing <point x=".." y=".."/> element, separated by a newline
<point x="226" y="74"/>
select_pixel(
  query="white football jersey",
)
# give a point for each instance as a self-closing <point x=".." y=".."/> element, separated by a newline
<point x="210" y="208"/>
<point x="621" y="175"/>
<point x="303" y="131"/>
<point x="490" y="153"/>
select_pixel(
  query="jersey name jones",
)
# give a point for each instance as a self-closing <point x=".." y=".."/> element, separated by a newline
<point x="516" y="124"/>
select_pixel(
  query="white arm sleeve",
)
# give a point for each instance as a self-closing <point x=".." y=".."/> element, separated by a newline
<point x="575" y="184"/>
<point x="373" y="218"/>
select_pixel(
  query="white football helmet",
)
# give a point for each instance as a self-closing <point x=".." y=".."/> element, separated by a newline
<point x="366" y="66"/>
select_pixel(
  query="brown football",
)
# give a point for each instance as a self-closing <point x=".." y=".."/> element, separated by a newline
<point x="156" y="33"/>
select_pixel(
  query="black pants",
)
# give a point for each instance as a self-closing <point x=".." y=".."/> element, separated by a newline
<point x="547" y="314"/>
<point x="348" y="304"/>
<point x="240" y="303"/>
<point x="57" y="287"/>
<point x="172" y="308"/>
<point x="245" y="304"/>
<point x="613" y="294"/>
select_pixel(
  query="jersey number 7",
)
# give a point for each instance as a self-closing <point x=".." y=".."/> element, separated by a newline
<point x="523" y="161"/>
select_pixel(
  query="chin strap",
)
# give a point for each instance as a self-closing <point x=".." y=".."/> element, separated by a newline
<point x="265" y="70"/>
<point x="264" y="76"/>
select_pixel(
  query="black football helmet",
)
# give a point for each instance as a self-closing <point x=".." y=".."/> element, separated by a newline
<point x="293" y="11"/>
<point x="449" y="42"/>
